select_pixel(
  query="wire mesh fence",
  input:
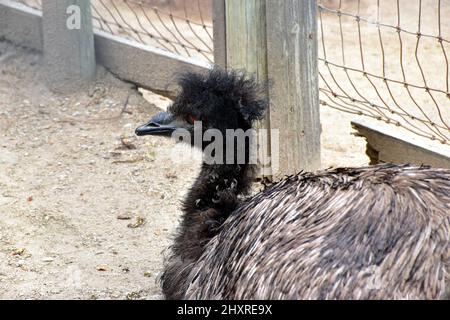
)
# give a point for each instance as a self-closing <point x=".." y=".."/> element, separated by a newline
<point x="183" y="27"/>
<point x="383" y="59"/>
<point x="388" y="60"/>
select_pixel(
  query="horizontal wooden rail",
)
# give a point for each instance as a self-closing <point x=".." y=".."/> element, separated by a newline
<point x="148" y="67"/>
<point x="386" y="144"/>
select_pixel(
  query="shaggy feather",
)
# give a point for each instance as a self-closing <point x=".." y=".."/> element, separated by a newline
<point x="376" y="232"/>
<point x="221" y="100"/>
<point x="380" y="232"/>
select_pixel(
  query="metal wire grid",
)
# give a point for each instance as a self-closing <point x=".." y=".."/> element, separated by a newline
<point x="385" y="70"/>
<point x="183" y="27"/>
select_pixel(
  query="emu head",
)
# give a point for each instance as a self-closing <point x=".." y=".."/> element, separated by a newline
<point x="218" y="100"/>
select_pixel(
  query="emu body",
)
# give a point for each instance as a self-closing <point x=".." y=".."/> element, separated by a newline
<point x="376" y="232"/>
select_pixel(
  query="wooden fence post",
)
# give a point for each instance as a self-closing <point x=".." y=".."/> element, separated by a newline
<point x="68" y="43"/>
<point x="219" y="29"/>
<point x="294" y="95"/>
<point x="246" y="47"/>
<point x="277" y="40"/>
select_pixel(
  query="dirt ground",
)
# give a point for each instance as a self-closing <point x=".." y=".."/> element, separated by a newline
<point x="87" y="210"/>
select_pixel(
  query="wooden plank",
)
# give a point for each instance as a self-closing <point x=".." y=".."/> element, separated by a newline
<point x="68" y="43"/>
<point x="246" y="36"/>
<point x="20" y="24"/>
<point x="148" y="67"/>
<point x="247" y="48"/>
<point x="294" y="94"/>
<point x="219" y="29"/>
<point x="388" y="145"/>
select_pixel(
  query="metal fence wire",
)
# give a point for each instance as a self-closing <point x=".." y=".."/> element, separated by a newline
<point x="388" y="60"/>
<point x="183" y="27"/>
<point x="383" y="59"/>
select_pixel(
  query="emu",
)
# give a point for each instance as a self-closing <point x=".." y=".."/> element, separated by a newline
<point x="377" y="232"/>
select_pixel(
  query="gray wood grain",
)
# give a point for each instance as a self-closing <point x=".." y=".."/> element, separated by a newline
<point x="219" y="29"/>
<point x="294" y="95"/>
<point x="247" y="48"/>
<point x="388" y="145"/>
<point x="147" y="67"/>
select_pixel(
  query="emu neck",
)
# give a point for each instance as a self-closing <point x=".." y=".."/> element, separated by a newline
<point x="212" y="198"/>
<point x="217" y="185"/>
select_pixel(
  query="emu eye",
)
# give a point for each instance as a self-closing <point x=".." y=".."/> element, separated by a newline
<point x="191" y="119"/>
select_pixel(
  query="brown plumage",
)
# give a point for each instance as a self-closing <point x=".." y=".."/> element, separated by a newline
<point x="378" y="232"/>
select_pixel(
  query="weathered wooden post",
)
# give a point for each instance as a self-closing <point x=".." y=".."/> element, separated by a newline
<point x="219" y="29"/>
<point x="277" y="40"/>
<point x="68" y="43"/>
<point x="294" y="96"/>
<point x="246" y="48"/>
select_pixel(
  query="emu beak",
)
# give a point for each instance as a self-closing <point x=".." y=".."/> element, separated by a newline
<point x="159" y="125"/>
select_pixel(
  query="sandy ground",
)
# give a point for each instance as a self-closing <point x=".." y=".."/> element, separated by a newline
<point x="87" y="209"/>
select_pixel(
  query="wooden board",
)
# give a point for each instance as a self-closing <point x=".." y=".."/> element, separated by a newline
<point x="148" y="67"/>
<point x="294" y="93"/>
<point x="388" y="145"/>
<point x="219" y="29"/>
<point x="246" y="47"/>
